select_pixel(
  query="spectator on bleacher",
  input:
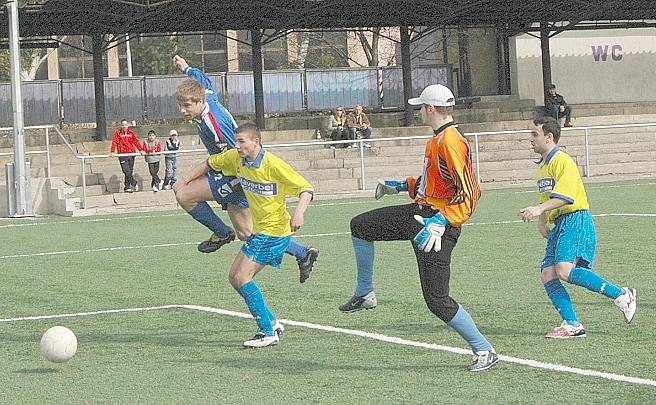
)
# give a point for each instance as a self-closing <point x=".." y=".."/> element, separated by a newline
<point x="557" y="107"/>
<point x="357" y="121"/>
<point x="152" y="146"/>
<point x="125" y="140"/>
<point x="337" y="127"/>
<point x="170" y="159"/>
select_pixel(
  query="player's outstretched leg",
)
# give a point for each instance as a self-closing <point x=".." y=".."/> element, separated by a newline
<point x="363" y="297"/>
<point x="570" y="326"/>
<point x="305" y="258"/>
<point x="624" y="298"/>
<point x="222" y="235"/>
<point x="193" y="198"/>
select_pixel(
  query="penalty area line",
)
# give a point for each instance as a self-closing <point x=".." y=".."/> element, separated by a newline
<point x="72" y="315"/>
<point x="432" y="346"/>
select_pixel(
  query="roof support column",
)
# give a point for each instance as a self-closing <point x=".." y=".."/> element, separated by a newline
<point x="465" y="85"/>
<point x="546" y="58"/>
<point x="406" y="68"/>
<point x="503" y="61"/>
<point x="98" y="87"/>
<point x="258" y="86"/>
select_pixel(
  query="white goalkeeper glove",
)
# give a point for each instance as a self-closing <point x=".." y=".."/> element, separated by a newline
<point x="390" y="187"/>
<point x="430" y="237"/>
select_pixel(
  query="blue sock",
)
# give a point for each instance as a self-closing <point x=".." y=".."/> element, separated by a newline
<point x="463" y="323"/>
<point x="258" y="308"/>
<point x="364" y="261"/>
<point x="561" y="301"/>
<point x="204" y="214"/>
<point x="296" y="249"/>
<point x="268" y="311"/>
<point x="592" y="281"/>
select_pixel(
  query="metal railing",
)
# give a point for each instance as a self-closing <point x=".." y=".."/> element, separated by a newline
<point x="323" y="143"/>
<point x="46" y="128"/>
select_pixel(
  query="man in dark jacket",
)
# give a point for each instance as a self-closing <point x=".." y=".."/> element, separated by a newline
<point x="557" y="107"/>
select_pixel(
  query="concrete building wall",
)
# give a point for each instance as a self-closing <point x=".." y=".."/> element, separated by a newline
<point x="601" y="66"/>
<point x="482" y="56"/>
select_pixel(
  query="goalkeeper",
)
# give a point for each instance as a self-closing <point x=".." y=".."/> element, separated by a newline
<point x="445" y="196"/>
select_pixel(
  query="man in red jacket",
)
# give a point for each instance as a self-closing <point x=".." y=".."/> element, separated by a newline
<point x="125" y="141"/>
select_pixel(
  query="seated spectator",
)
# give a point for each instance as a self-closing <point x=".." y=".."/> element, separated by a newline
<point x="337" y="128"/>
<point x="358" y="121"/>
<point x="557" y="107"/>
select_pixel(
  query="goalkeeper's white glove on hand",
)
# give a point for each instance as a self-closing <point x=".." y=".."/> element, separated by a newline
<point x="390" y="187"/>
<point x="430" y="237"/>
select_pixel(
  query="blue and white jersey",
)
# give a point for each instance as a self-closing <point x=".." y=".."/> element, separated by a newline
<point x="216" y="127"/>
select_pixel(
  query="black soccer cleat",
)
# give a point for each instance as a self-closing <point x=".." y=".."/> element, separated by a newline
<point x="356" y="303"/>
<point x="306" y="264"/>
<point x="215" y="242"/>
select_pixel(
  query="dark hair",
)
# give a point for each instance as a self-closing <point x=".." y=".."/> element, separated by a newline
<point x="152" y="131"/>
<point x="551" y="86"/>
<point x="249" y="126"/>
<point x="549" y="124"/>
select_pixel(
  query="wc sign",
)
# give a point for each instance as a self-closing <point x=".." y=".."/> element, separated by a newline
<point x="600" y="52"/>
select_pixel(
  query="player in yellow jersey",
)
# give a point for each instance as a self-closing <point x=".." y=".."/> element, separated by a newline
<point x="571" y="243"/>
<point x="266" y="181"/>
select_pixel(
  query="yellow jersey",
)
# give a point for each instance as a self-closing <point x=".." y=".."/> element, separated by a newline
<point x="559" y="177"/>
<point x="266" y="182"/>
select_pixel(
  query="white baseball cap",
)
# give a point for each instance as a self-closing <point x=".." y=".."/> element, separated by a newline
<point x="435" y="95"/>
<point x="173" y="132"/>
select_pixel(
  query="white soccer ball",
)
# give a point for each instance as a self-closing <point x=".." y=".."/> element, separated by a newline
<point x="58" y="344"/>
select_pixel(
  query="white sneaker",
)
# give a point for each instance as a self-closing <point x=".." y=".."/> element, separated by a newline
<point x="161" y="183"/>
<point x="628" y="303"/>
<point x="484" y="360"/>
<point x="566" y="331"/>
<point x="155" y="189"/>
<point x="261" y="340"/>
<point x="167" y="187"/>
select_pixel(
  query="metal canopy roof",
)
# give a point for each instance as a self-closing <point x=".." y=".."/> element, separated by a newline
<point x="69" y="17"/>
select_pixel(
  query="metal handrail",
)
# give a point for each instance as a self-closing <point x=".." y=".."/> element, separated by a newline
<point x="46" y="128"/>
<point x="361" y="148"/>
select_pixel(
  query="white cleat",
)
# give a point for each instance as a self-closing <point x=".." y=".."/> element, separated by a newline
<point x="261" y="340"/>
<point x="628" y="303"/>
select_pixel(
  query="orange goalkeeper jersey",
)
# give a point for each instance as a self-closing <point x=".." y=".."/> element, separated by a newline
<point x="448" y="183"/>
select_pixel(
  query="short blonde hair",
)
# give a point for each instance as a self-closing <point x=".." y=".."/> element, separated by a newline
<point x="190" y="89"/>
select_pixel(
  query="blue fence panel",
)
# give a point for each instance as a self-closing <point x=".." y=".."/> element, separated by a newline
<point x="346" y="87"/>
<point x="241" y="93"/>
<point x="160" y="96"/>
<point x="283" y="91"/>
<point x="40" y="103"/>
<point x="6" y="108"/>
<point x="124" y="98"/>
<point x="78" y="100"/>
<point x="421" y="77"/>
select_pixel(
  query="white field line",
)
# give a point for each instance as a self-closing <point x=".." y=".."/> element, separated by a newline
<point x="432" y="346"/>
<point x="105" y="249"/>
<point x="315" y="205"/>
<point x="369" y="335"/>
<point x="158" y="216"/>
<point x="109" y="311"/>
<point x="317" y="235"/>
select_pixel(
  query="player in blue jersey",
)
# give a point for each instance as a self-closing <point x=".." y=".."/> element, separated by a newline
<point x="266" y="181"/>
<point x="216" y="127"/>
<point x="571" y="243"/>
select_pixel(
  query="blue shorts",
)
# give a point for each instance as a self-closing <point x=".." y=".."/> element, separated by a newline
<point x="226" y="189"/>
<point x="572" y="240"/>
<point x="266" y="250"/>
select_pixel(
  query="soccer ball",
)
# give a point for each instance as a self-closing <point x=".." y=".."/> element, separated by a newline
<point x="58" y="344"/>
